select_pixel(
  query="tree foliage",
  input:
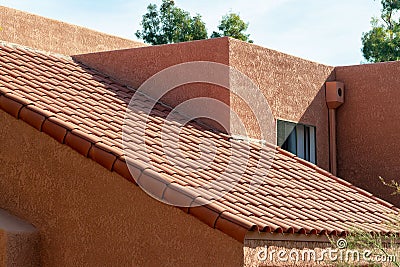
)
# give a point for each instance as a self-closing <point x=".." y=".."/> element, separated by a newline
<point x="170" y="24"/>
<point x="233" y="26"/>
<point x="382" y="42"/>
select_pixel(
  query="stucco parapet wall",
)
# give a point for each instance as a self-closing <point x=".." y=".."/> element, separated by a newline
<point x="293" y="87"/>
<point x="368" y="125"/>
<point x="135" y="65"/>
<point x="19" y="241"/>
<point x="56" y="36"/>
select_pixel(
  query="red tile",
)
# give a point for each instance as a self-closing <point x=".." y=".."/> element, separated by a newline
<point x="10" y="106"/>
<point x="204" y="214"/>
<point x="234" y="226"/>
<point x="104" y="158"/>
<point x="152" y="183"/>
<point x="54" y="130"/>
<point x="78" y="143"/>
<point x="31" y="117"/>
<point x="176" y="195"/>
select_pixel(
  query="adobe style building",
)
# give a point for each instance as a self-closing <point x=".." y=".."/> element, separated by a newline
<point x="89" y="166"/>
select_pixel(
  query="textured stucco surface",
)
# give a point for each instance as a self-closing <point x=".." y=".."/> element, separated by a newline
<point x="3" y="248"/>
<point x="22" y="249"/>
<point x="134" y="66"/>
<point x="368" y="127"/>
<point x="293" y="87"/>
<point x="19" y="241"/>
<point x="55" y="36"/>
<point x="88" y="216"/>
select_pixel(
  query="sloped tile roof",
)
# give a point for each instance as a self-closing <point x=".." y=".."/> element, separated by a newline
<point x="85" y="110"/>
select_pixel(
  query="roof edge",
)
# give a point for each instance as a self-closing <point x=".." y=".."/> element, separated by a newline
<point x="34" y="50"/>
<point x="67" y="23"/>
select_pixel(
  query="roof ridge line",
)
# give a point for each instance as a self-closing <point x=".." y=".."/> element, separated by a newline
<point x="34" y="50"/>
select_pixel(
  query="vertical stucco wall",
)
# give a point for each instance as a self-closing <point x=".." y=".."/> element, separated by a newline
<point x="293" y="87"/>
<point x="134" y="66"/>
<point x="55" y="36"/>
<point x="3" y="247"/>
<point x="19" y="242"/>
<point x="22" y="250"/>
<point x="368" y="127"/>
<point x="88" y="216"/>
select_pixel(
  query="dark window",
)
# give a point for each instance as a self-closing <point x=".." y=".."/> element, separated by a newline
<point x="298" y="139"/>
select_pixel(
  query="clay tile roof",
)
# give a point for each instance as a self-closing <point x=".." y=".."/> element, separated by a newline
<point x="85" y="110"/>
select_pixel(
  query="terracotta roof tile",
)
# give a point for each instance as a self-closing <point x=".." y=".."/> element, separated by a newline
<point x="32" y="117"/>
<point x="86" y="110"/>
<point x="78" y="142"/>
<point x="11" y="106"/>
<point x="205" y="214"/>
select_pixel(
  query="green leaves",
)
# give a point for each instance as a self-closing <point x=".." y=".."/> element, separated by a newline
<point x="171" y="24"/>
<point x="233" y="26"/>
<point x="198" y="28"/>
<point x="382" y="42"/>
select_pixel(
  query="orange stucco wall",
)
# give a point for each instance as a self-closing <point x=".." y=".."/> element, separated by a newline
<point x="88" y="216"/>
<point x="55" y="36"/>
<point x="293" y="87"/>
<point x="368" y="127"/>
<point x="21" y="249"/>
<point x="3" y="247"/>
<point x="134" y="66"/>
<point x="19" y="242"/>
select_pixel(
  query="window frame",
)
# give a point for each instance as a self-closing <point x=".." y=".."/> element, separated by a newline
<point x="307" y="150"/>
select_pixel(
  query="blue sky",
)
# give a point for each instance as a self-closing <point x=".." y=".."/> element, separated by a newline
<point x="327" y="32"/>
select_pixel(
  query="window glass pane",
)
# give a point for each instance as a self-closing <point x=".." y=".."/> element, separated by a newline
<point x="307" y="143"/>
<point x="313" y="156"/>
<point x="281" y="133"/>
<point x="300" y="141"/>
<point x="292" y="142"/>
